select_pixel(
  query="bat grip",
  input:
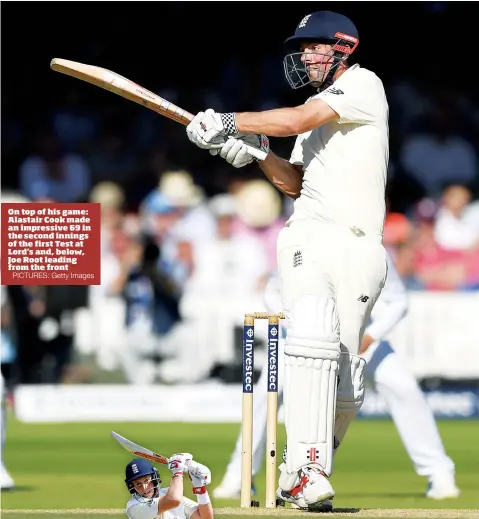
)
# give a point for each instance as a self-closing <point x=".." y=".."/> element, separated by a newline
<point x="256" y="153"/>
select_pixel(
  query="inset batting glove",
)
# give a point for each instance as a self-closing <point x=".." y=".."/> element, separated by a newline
<point x="199" y="474"/>
<point x="179" y="463"/>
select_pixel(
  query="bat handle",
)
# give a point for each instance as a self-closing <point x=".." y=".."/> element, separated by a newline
<point x="256" y="153"/>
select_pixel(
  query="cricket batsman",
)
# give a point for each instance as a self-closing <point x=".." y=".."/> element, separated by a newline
<point x="331" y="259"/>
<point x="149" y="500"/>
<point x="389" y="375"/>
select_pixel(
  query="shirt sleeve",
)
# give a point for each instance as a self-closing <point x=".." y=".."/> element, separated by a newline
<point x="394" y="303"/>
<point x="190" y="507"/>
<point x="357" y="97"/>
<point x="143" y="510"/>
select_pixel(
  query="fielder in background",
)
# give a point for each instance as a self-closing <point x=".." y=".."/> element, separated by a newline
<point x="389" y="375"/>
<point x="149" y="500"/>
<point x="332" y="262"/>
<point x="6" y="481"/>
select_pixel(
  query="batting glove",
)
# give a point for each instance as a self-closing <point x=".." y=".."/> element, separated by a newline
<point x="200" y="476"/>
<point x="207" y="131"/>
<point x="241" y="149"/>
<point x="178" y="463"/>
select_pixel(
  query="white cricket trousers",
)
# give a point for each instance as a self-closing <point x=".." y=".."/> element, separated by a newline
<point x="331" y="265"/>
<point x="389" y="375"/>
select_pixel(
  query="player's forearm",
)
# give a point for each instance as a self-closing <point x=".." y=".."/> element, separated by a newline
<point x="381" y="327"/>
<point x="285" y="122"/>
<point x="281" y="173"/>
<point x="172" y="498"/>
<point x="280" y="122"/>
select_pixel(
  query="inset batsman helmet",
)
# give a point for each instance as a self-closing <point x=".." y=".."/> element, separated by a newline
<point x="138" y="468"/>
<point x="322" y="27"/>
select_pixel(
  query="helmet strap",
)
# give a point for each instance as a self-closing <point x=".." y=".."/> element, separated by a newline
<point x="331" y="72"/>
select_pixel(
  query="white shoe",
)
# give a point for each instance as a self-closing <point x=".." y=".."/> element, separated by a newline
<point x="313" y="492"/>
<point x="297" y="501"/>
<point x="295" y="498"/>
<point x="442" y="486"/>
<point x="316" y="487"/>
<point x="6" y="481"/>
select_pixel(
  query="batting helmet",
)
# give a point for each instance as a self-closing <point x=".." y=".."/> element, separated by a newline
<point x="138" y="468"/>
<point x="322" y="27"/>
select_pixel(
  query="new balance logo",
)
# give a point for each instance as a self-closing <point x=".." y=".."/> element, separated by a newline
<point x="297" y="259"/>
<point x="335" y="91"/>
<point x="363" y="298"/>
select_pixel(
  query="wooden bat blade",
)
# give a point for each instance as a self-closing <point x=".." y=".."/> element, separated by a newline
<point x="113" y="82"/>
<point x="122" y="86"/>
<point x="138" y="450"/>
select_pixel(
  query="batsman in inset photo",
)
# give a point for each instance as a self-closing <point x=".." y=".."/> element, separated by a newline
<point x="150" y="500"/>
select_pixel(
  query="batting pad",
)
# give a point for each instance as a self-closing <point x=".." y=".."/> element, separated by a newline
<point x="309" y="406"/>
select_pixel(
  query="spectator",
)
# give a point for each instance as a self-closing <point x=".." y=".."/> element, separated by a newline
<point x="226" y="282"/>
<point x="439" y="155"/>
<point x="435" y="267"/>
<point x="54" y="174"/>
<point x="151" y="307"/>
<point x="223" y="266"/>
<point x="259" y="216"/>
<point x="177" y="215"/>
<point x="111" y="198"/>
<point x="452" y="229"/>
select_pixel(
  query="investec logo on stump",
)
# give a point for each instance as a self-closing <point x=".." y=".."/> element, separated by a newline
<point x="248" y="364"/>
<point x="272" y="359"/>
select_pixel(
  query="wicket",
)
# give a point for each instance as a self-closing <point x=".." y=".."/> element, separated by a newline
<point x="247" y="408"/>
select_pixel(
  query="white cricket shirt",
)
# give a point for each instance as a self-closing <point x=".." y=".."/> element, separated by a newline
<point x="149" y="510"/>
<point x="345" y="161"/>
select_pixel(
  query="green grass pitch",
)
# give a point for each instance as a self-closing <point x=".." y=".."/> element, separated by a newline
<point x="79" y="467"/>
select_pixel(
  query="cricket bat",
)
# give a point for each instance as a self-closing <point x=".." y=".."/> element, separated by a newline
<point x="138" y="450"/>
<point x="113" y="82"/>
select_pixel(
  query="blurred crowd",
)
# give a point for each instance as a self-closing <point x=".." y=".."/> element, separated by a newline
<point x="183" y="232"/>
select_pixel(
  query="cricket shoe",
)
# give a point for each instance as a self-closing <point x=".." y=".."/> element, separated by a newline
<point x="6" y="481"/>
<point x="315" y="486"/>
<point x="442" y="486"/>
<point x="297" y="501"/>
<point x="310" y="492"/>
<point x="295" y="498"/>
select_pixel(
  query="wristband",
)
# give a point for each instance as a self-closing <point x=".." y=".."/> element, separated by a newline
<point x="202" y="495"/>
<point x="177" y="474"/>
<point x="229" y="123"/>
